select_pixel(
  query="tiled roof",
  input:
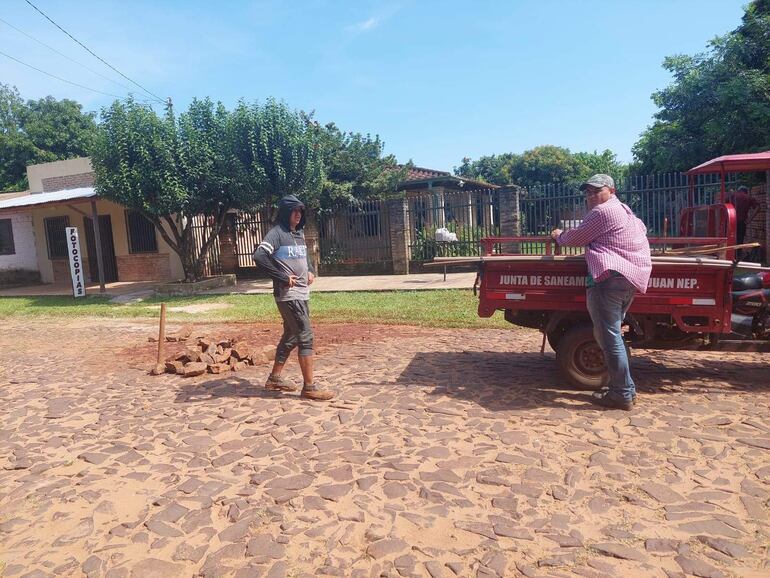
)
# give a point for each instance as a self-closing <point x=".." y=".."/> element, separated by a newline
<point x="420" y="173"/>
<point x="418" y="176"/>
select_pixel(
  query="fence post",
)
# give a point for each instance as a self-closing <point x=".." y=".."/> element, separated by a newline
<point x="399" y="235"/>
<point x="312" y="239"/>
<point x="510" y="216"/>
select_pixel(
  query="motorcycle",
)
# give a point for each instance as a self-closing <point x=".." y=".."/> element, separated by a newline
<point x="751" y="306"/>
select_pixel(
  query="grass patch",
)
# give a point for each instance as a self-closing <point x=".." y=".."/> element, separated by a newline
<point x="445" y="308"/>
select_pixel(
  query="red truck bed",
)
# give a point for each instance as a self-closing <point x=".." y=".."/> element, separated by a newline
<point x="700" y="294"/>
<point x="688" y="303"/>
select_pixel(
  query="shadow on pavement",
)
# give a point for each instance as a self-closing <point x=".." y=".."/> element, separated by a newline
<point x="229" y="386"/>
<point x="494" y="380"/>
<point x="506" y="380"/>
<point x="661" y="371"/>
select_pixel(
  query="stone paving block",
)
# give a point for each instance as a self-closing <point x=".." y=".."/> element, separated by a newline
<point x="404" y="474"/>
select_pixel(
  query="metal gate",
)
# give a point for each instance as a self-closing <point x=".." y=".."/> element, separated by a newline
<point x="250" y="229"/>
<point x="355" y="238"/>
<point x="203" y="228"/>
<point x="471" y="215"/>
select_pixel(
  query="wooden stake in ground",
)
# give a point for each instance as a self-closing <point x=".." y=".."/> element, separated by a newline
<point x="160" y="366"/>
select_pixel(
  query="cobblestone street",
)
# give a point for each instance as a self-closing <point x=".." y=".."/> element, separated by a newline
<point x="447" y="453"/>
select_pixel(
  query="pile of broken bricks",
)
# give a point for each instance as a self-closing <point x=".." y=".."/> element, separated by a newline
<point x="214" y="355"/>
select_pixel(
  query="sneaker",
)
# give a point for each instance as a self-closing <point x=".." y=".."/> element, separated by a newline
<point x="316" y="393"/>
<point x="605" y="389"/>
<point x="278" y="383"/>
<point x="611" y="400"/>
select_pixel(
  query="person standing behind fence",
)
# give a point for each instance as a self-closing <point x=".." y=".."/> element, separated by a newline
<point x="619" y="265"/>
<point x="282" y="254"/>
<point x="746" y="208"/>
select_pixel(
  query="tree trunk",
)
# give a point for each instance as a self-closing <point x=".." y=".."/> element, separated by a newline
<point x="183" y="241"/>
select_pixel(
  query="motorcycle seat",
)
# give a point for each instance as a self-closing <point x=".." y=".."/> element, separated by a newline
<point x="747" y="281"/>
<point x="756" y="296"/>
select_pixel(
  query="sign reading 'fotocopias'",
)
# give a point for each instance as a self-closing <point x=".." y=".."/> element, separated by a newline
<point x="76" y="263"/>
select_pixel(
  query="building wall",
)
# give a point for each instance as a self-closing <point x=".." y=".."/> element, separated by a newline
<point x="145" y="266"/>
<point x="76" y="173"/>
<point x="36" y="174"/>
<point x="23" y="263"/>
<point x="68" y="182"/>
<point x="161" y="266"/>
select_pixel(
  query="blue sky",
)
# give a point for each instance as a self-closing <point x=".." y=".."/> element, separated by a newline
<point x="437" y="80"/>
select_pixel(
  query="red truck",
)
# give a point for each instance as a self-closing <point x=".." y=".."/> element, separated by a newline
<point x="690" y="303"/>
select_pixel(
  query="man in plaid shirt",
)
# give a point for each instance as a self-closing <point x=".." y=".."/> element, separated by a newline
<point x="619" y="265"/>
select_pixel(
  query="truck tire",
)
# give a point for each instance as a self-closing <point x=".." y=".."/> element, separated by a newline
<point x="580" y="360"/>
<point x="554" y="337"/>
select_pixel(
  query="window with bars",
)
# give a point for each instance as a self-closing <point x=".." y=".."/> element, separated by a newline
<point x="56" y="236"/>
<point x="6" y="238"/>
<point x="141" y="233"/>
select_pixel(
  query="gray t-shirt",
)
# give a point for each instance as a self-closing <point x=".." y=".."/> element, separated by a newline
<point x="289" y="252"/>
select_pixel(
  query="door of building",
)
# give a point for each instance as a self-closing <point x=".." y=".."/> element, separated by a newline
<point x="108" y="249"/>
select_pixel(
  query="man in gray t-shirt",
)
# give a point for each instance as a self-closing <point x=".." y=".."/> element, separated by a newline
<point x="282" y="254"/>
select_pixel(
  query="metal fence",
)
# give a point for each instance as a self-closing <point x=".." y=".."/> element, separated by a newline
<point x="359" y="234"/>
<point x="471" y="215"/>
<point x="653" y="198"/>
<point x="355" y="234"/>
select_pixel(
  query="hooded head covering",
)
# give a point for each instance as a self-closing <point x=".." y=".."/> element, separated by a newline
<point x="285" y="206"/>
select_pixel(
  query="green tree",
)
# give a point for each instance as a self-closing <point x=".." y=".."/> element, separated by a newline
<point x="605" y="162"/>
<point x="718" y="102"/>
<point x="545" y="164"/>
<point x="487" y="168"/>
<point x="284" y="150"/>
<point x="542" y="165"/>
<point x="195" y="168"/>
<point x="39" y="131"/>
<point x="355" y="167"/>
<point x="15" y="147"/>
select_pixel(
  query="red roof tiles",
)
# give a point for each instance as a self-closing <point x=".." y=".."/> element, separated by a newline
<point x="419" y="174"/>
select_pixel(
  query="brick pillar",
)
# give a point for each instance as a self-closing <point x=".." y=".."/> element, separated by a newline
<point x="398" y="218"/>
<point x="510" y="216"/>
<point x="228" y="248"/>
<point x="312" y="239"/>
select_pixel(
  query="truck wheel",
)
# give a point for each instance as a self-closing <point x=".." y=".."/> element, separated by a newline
<point x="580" y="359"/>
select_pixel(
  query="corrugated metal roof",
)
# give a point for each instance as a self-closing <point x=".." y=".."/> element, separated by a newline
<point x="5" y="195"/>
<point x="46" y="198"/>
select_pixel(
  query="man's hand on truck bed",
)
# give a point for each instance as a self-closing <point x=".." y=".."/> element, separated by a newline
<point x="555" y="234"/>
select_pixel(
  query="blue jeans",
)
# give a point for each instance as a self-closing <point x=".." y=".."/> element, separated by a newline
<point x="608" y="301"/>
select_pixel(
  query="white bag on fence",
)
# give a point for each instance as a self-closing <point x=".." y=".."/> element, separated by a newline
<point x="444" y="235"/>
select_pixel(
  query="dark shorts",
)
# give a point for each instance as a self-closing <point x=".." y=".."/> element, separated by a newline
<point x="297" y="331"/>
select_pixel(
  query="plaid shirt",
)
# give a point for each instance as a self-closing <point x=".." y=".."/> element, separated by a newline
<point x="615" y="240"/>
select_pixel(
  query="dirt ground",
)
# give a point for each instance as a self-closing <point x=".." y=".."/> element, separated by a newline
<point x="447" y="453"/>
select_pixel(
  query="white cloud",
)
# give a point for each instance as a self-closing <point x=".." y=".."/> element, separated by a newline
<point x="365" y="25"/>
